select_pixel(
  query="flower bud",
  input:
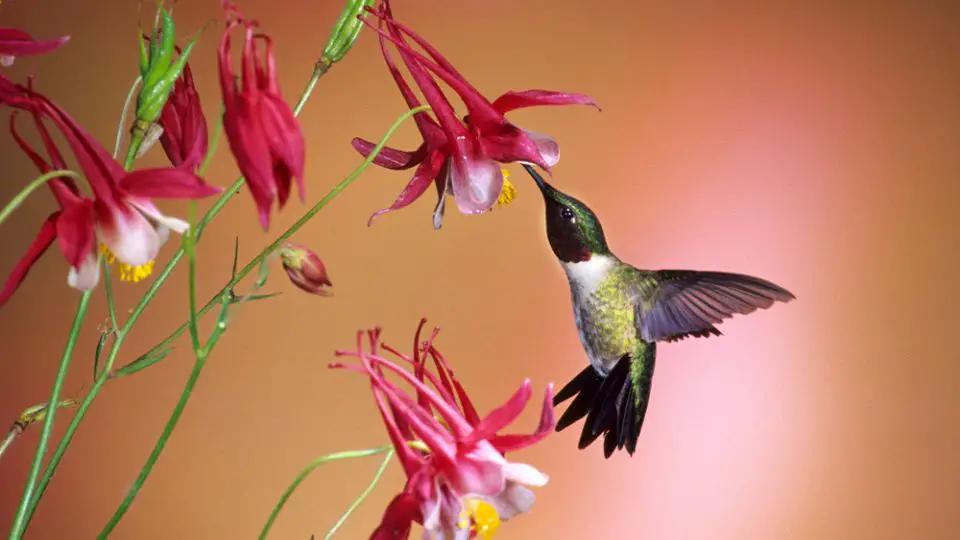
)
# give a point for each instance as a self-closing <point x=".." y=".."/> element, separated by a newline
<point x="305" y="269"/>
<point x="345" y="32"/>
<point x="158" y="69"/>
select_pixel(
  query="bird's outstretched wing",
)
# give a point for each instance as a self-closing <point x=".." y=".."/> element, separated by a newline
<point x="675" y="304"/>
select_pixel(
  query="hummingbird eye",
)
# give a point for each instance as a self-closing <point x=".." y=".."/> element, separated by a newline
<point x="567" y="214"/>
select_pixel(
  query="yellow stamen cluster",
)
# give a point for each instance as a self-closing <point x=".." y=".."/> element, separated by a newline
<point x="508" y="193"/>
<point x="484" y="517"/>
<point x="128" y="272"/>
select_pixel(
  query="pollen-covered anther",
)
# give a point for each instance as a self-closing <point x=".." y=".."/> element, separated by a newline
<point x="509" y="192"/>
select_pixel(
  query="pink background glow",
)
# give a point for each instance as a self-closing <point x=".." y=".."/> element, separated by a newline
<point x="815" y="145"/>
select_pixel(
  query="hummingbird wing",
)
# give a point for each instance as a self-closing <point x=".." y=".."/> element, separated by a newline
<point x="675" y="304"/>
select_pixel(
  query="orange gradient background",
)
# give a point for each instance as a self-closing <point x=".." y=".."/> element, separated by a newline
<point x="815" y="145"/>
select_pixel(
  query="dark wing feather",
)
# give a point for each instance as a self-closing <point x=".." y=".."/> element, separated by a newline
<point x="676" y="304"/>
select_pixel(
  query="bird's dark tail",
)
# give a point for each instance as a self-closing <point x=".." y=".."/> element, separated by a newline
<point x="614" y="405"/>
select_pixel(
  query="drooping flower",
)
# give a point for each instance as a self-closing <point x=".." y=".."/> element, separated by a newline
<point x="459" y="482"/>
<point x="15" y="42"/>
<point x="184" y="137"/>
<point x="462" y="157"/>
<point x="305" y="269"/>
<point x="121" y="215"/>
<point x="264" y="135"/>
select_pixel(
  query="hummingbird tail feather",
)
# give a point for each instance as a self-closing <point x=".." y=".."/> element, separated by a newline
<point x="614" y="405"/>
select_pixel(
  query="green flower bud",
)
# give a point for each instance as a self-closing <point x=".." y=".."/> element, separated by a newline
<point x="345" y="32"/>
<point x="158" y="70"/>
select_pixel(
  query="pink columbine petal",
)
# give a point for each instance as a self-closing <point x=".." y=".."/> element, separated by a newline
<point x="40" y="244"/>
<point x="166" y="183"/>
<point x="421" y="180"/>
<point x="87" y="275"/>
<point x="480" y="472"/>
<point x="512" y="443"/>
<point x="16" y="42"/>
<point x="515" y="499"/>
<point x="397" y="518"/>
<point x="158" y="218"/>
<point x="525" y="474"/>
<point x="510" y="101"/>
<point x="128" y="234"/>
<point x="548" y="147"/>
<point x="511" y="144"/>
<point x="75" y="232"/>
<point x="390" y="158"/>
<point x="503" y="415"/>
<point x="476" y="183"/>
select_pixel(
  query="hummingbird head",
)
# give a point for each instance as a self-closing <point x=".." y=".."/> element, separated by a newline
<point x="573" y="229"/>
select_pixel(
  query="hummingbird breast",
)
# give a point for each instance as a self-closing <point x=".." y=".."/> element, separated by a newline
<point x="603" y="309"/>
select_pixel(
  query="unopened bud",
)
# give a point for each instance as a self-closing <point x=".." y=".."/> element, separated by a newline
<point x="345" y="32"/>
<point x="305" y="269"/>
<point x="158" y="68"/>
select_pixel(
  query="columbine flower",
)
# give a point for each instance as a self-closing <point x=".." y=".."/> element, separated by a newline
<point x="122" y="215"/>
<point x="462" y="157"/>
<point x="459" y="482"/>
<point x="15" y="42"/>
<point x="184" y="137"/>
<point x="305" y="269"/>
<point x="263" y="132"/>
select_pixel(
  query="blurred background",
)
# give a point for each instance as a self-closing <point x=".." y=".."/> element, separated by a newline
<point x="815" y="145"/>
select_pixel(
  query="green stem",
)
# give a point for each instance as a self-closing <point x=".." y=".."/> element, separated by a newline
<point x="138" y="310"/>
<point x="306" y="472"/>
<point x="31" y="187"/>
<point x="108" y="288"/>
<point x="20" y="520"/>
<point x="158" y="448"/>
<point x="363" y="496"/>
<point x="287" y="234"/>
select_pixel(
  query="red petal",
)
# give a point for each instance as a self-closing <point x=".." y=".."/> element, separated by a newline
<point x="512" y="443"/>
<point x="470" y="412"/>
<point x="75" y="232"/>
<point x="390" y="158"/>
<point x="284" y="137"/>
<point x="421" y="180"/>
<point x="40" y="244"/>
<point x="503" y="415"/>
<point x="480" y="108"/>
<point x="398" y="518"/>
<point x="535" y="98"/>
<point x="64" y="189"/>
<point x="16" y="42"/>
<point x="167" y="183"/>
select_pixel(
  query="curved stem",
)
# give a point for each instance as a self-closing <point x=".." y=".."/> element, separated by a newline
<point x="20" y="520"/>
<point x="107" y="372"/>
<point x="306" y="472"/>
<point x="121" y="125"/>
<point x="363" y="496"/>
<point x="18" y="199"/>
<point x="158" y="448"/>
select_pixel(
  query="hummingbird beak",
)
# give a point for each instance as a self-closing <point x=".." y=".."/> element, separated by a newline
<point x="541" y="183"/>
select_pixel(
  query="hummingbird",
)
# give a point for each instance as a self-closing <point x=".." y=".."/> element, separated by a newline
<point x="622" y="312"/>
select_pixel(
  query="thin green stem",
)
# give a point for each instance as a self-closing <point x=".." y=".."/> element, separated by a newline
<point x="123" y="115"/>
<point x="214" y="143"/>
<point x="20" y="520"/>
<point x="105" y="375"/>
<point x="188" y="248"/>
<point x="201" y="360"/>
<point x="31" y="187"/>
<point x="306" y="472"/>
<point x="363" y="496"/>
<point x="108" y="287"/>
<point x="286" y="234"/>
